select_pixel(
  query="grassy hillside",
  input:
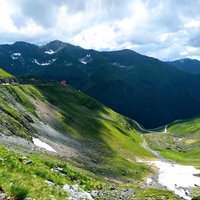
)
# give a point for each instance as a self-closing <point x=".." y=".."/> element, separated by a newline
<point x="5" y="74"/>
<point x="19" y="179"/>
<point x="96" y="147"/>
<point x="182" y="141"/>
<point x="189" y="65"/>
<point x="143" y="88"/>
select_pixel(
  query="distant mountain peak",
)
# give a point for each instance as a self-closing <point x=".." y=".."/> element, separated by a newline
<point x="187" y="64"/>
<point x="21" y="43"/>
<point x="56" y="42"/>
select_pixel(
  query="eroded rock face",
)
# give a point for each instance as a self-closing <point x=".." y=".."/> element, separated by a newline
<point x="11" y="80"/>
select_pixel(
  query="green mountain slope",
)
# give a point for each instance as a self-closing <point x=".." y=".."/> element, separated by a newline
<point x="95" y="146"/>
<point x="145" y="89"/>
<point x="6" y="78"/>
<point x="4" y="74"/>
<point x="182" y="141"/>
<point x="189" y="65"/>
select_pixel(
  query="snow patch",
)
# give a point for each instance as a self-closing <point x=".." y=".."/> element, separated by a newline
<point x="165" y="131"/>
<point x="177" y="178"/>
<point x="119" y="65"/>
<point x="50" y="52"/>
<point x="44" y="64"/>
<point x="15" y="56"/>
<point x="87" y="59"/>
<point x="43" y="145"/>
<point x="122" y="66"/>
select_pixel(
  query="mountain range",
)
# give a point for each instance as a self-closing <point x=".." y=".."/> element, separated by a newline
<point x="189" y="65"/>
<point x="54" y="137"/>
<point x="143" y="88"/>
<point x="58" y="143"/>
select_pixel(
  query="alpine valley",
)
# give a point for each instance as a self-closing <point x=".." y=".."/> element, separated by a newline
<point x="113" y="78"/>
<point x="82" y="124"/>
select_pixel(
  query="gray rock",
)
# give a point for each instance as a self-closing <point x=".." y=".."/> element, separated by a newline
<point x="66" y="187"/>
<point x="49" y="183"/>
<point x="29" y="162"/>
<point x="75" y="187"/>
<point x="112" y="188"/>
<point x="57" y="169"/>
<point x="77" y="193"/>
<point x="3" y="196"/>
<point x="28" y="198"/>
<point x="24" y="158"/>
<point x="94" y="193"/>
<point x="94" y="161"/>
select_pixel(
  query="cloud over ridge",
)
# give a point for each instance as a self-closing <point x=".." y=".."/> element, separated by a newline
<point x="166" y="29"/>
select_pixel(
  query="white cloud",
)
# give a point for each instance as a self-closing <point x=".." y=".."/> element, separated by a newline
<point x="6" y="10"/>
<point x="163" y="29"/>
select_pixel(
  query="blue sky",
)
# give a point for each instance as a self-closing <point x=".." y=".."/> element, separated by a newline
<point x="165" y="29"/>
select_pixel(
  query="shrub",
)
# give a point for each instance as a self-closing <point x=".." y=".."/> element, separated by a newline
<point x="18" y="192"/>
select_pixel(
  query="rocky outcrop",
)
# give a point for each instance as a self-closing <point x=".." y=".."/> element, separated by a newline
<point x="76" y="192"/>
<point x="10" y="80"/>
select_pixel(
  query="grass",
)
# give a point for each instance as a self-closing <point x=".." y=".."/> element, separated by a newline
<point x="18" y="192"/>
<point x="5" y="74"/>
<point x="182" y="141"/>
<point x="19" y="180"/>
<point x="154" y="194"/>
<point x="14" y="104"/>
<point x="109" y="138"/>
<point x="111" y="135"/>
<point x="113" y="138"/>
<point x="185" y="127"/>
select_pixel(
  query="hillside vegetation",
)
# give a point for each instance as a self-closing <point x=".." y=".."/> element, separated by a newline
<point x="95" y="146"/>
<point x="182" y="141"/>
<point x="4" y="74"/>
<point x="143" y="88"/>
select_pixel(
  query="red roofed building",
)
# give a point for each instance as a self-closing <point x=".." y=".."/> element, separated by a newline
<point x="64" y="82"/>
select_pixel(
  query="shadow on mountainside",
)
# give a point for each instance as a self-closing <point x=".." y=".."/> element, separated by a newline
<point x="103" y="141"/>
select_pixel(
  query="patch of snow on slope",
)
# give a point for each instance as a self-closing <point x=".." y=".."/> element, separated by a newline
<point x="177" y="178"/>
<point x="122" y="66"/>
<point x="87" y="59"/>
<point x="43" y="145"/>
<point x="15" y="56"/>
<point x="44" y="64"/>
<point x="50" y="52"/>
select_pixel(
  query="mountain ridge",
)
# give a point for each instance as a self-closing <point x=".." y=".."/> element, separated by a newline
<point x="189" y="65"/>
<point x="124" y="80"/>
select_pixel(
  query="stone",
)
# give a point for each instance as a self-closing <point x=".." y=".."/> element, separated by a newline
<point x="49" y="183"/>
<point x="75" y="187"/>
<point x="112" y="188"/>
<point x="94" y="193"/>
<point x="3" y="196"/>
<point x="28" y="198"/>
<point x="76" y="192"/>
<point x="94" y="161"/>
<point x="57" y="169"/>
<point x="66" y="188"/>
<point x="29" y="162"/>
